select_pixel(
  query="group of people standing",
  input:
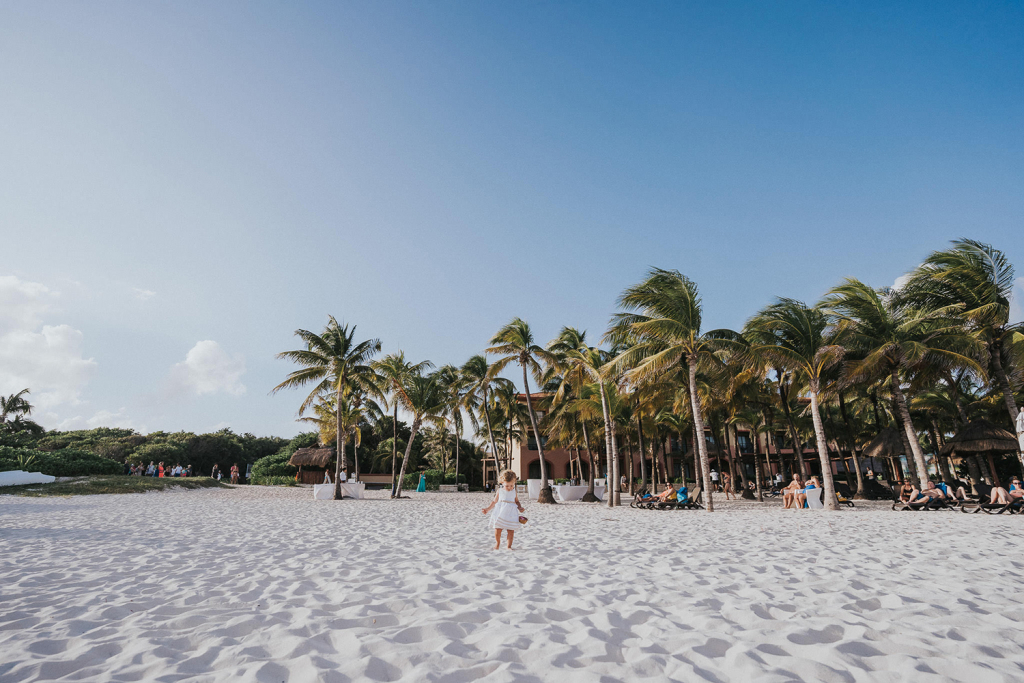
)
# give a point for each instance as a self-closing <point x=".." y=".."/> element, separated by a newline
<point x="160" y="470"/>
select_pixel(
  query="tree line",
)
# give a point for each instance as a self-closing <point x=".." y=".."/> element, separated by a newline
<point x="925" y="357"/>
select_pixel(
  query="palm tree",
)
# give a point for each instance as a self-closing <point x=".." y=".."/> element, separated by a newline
<point x="395" y="371"/>
<point x="977" y="280"/>
<point x="456" y="386"/>
<point x="799" y="338"/>
<point x="479" y="377"/>
<point x="514" y="344"/>
<point x="424" y="397"/>
<point x="575" y="361"/>
<point x="892" y="335"/>
<point x="593" y="364"/>
<point x="332" y="361"/>
<point x="663" y="316"/>
<point x="14" y="412"/>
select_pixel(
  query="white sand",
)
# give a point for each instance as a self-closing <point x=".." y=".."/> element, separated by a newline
<point x="269" y="585"/>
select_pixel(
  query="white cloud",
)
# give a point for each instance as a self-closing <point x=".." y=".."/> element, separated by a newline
<point x="1017" y="301"/>
<point x="901" y="281"/>
<point x="209" y="369"/>
<point x="22" y="303"/>
<point x="44" y="358"/>
<point x="102" y="418"/>
<point x="143" y="294"/>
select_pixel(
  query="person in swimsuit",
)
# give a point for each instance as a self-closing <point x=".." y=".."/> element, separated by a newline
<point x="666" y="495"/>
<point x="1004" y="497"/>
<point x="906" y="491"/>
<point x="801" y="497"/>
<point x="789" y="494"/>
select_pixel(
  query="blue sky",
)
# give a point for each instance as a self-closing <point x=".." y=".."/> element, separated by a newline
<point x="182" y="185"/>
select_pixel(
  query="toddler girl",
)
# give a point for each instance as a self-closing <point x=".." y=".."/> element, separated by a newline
<point x="506" y="509"/>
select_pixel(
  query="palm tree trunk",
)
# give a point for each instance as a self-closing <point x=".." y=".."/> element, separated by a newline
<point x="739" y="457"/>
<point x="757" y="464"/>
<point x="939" y="460"/>
<point x="696" y="457"/>
<point x="545" y="496"/>
<point x="632" y="477"/>
<point x="996" y="352"/>
<point x="908" y="429"/>
<point x="663" y="462"/>
<point x="643" y="457"/>
<point x="589" y="496"/>
<point x="394" y="449"/>
<point x="408" y="454"/>
<point x="826" y="464"/>
<point x="851" y="444"/>
<point x="698" y="426"/>
<point x="490" y="435"/>
<point x="355" y="459"/>
<point x="798" y="447"/>
<point x="339" y="444"/>
<point x="613" y="482"/>
<point x="730" y="460"/>
<point x="616" y="468"/>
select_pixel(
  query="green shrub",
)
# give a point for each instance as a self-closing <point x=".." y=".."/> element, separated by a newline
<point x="66" y="462"/>
<point x="272" y="481"/>
<point x="275" y="465"/>
<point x="167" y="452"/>
<point x="450" y="479"/>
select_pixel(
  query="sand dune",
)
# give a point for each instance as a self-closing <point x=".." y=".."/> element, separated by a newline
<point x="259" y="584"/>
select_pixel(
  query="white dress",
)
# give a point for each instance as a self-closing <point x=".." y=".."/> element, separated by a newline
<point x="505" y="514"/>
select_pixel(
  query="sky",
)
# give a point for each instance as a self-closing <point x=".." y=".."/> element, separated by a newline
<point x="183" y="185"/>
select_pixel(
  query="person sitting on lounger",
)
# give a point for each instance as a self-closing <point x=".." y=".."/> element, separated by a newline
<point x="789" y="493"/>
<point x="801" y="496"/>
<point x="928" y="492"/>
<point x="666" y="495"/>
<point x="1004" y="497"/>
<point x="958" y="493"/>
<point x="907" y="492"/>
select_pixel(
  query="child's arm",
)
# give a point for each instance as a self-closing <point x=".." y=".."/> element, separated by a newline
<point x="491" y="506"/>
<point x="521" y="509"/>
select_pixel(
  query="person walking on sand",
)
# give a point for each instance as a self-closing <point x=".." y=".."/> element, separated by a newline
<point x="506" y="509"/>
<point x="727" y="484"/>
<point x="234" y="473"/>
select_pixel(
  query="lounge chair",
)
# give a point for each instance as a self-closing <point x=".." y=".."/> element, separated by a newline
<point x="929" y="504"/>
<point x="692" y="502"/>
<point x="1015" y="506"/>
<point x="639" y="501"/>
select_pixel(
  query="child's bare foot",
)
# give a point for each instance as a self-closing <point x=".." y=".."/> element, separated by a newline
<point x="496" y="546"/>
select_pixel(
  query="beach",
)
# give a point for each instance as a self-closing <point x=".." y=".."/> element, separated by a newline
<point x="266" y="584"/>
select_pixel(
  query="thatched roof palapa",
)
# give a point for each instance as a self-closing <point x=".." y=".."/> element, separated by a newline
<point x="887" y="444"/>
<point x="981" y="436"/>
<point x="312" y="457"/>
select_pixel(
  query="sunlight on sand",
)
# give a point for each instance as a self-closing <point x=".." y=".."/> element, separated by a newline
<point x="266" y="584"/>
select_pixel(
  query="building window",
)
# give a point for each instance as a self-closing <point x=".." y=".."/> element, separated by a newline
<point x="531" y="443"/>
<point x="533" y="471"/>
<point x="745" y="444"/>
